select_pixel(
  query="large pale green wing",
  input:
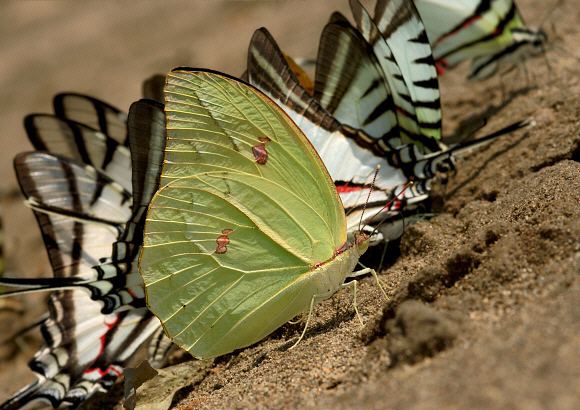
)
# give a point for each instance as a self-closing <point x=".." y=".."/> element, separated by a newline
<point x="245" y="212"/>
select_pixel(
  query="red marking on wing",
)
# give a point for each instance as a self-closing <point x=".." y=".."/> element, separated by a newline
<point x="441" y="67"/>
<point x="462" y="26"/>
<point x="102" y="342"/>
<point x="102" y="373"/>
<point x="340" y="250"/>
<point x="260" y="152"/>
<point x="343" y="189"/>
<point x="222" y="241"/>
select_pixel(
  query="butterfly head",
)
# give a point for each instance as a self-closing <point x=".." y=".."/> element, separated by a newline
<point x="536" y="38"/>
<point x="361" y="241"/>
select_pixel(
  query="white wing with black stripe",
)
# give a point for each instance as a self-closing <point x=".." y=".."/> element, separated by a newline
<point x="80" y="142"/>
<point x="351" y="85"/>
<point x="93" y="113"/>
<point x="92" y="237"/>
<point x="402" y="29"/>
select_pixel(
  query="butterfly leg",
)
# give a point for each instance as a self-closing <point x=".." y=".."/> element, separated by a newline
<point x="353" y="284"/>
<point x="295" y="322"/>
<point x="372" y="272"/>
<point x="312" y="301"/>
<point x="503" y="89"/>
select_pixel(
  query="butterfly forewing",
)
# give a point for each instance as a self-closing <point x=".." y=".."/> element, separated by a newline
<point x="80" y="211"/>
<point x="350" y="83"/>
<point x="402" y="29"/>
<point x="227" y="119"/>
<point x="82" y="143"/>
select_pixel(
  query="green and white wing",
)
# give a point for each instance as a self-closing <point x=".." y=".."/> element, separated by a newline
<point x="469" y="29"/>
<point x="440" y="17"/>
<point x="245" y="211"/>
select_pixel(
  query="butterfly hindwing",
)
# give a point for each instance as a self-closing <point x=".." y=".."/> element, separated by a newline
<point x="85" y="353"/>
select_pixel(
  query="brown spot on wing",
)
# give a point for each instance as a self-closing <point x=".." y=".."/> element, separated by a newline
<point x="260" y="152"/>
<point x="222" y="241"/>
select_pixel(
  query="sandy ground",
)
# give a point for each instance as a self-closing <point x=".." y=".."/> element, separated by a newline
<point x="484" y="299"/>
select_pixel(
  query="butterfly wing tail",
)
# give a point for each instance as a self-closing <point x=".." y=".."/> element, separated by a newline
<point x="427" y="166"/>
<point x="18" y="286"/>
<point x="38" y="390"/>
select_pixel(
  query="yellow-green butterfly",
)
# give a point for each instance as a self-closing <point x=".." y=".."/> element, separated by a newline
<point x="247" y="230"/>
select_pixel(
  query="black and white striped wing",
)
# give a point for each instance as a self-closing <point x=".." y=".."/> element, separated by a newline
<point x="405" y="109"/>
<point x="402" y="29"/>
<point x="80" y="142"/>
<point x="351" y="85"/>
<point x="80" y="211"/>
<point x="93" y="113"/>
<point x="415" y="125"/>
<point x="146" y="125"/>
<point x="85" y="351"/>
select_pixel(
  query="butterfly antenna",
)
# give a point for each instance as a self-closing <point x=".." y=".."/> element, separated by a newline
<point x="383" y="254"/>
<point x="389" y="203"/>
<point x="547" y="60"/>
<point x="564" y="52"/>
<point x="377" y="169"/>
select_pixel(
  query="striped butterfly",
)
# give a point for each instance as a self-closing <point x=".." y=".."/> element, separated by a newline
<point x="247" y="230"/>
<point x="490" y="33"/>
<point x="80" y="187"/>
<point x="353" y="118"/>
